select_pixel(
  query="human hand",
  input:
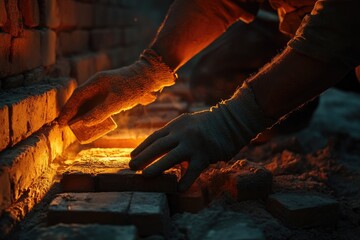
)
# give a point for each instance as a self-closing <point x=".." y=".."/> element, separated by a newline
<point x="110" y="92"/>
<point x="201" y="138"/>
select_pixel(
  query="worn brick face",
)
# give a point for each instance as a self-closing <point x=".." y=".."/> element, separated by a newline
<point x="14" y="24"/>
<point x="30" y="12"/>
<point x="48" y="47"/>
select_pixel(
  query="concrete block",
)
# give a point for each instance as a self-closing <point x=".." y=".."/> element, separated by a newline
<point x="89" y="232"/>
<point x="110" y="170"/>
<point x="30" y="12"/>
<point x="3" y="13"/>
<point x="49" y="14"/>
<point x="304" y="209"/>
<point x="85" y="208"/>
<point x="24" y="163"/>
<point x="14" y="24"/>
<point x="4" y="127"/>
<point x="149" y="212"/>
<point x="48" y="47"/>
<point x="68" y="14"/>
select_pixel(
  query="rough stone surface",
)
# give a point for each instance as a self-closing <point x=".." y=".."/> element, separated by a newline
<point x="243" y="180"/>
<point x="30" y="12"/>
<point x="147" y="211"/>
<point x="304" y="209"/>
<point x="90" y="232"/>
<point x="218" y="224"/>
<point x="110" y="172"/>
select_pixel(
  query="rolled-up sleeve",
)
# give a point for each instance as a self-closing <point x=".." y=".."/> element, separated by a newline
<point x="331" y="32"/>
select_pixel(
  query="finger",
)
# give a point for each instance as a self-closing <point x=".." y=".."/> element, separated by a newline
<point x="149" y="140"/>
<point x="192" y="173"/>
<point x="172" y="158"/>
<point x="72" y="106"/>
<point x="152" y="152"/>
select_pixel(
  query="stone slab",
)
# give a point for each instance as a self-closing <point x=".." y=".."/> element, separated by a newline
<point x="304" y="209"/>
<point x="90" y="232"/>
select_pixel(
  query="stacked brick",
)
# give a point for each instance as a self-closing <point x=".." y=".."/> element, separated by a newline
<point x="48" y="48"/>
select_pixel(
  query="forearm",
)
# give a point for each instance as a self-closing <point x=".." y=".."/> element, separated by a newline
<point x="292" y="79"/>
<point x="191" y="25"/>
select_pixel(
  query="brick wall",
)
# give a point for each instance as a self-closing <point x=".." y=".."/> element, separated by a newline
<point x="48" y="48"/>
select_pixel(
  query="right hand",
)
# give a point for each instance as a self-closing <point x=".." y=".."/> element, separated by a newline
<point x="118" y="89"/>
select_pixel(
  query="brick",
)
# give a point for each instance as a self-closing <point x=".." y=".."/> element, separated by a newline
<point x="304" y="209"/>
<point x="49" y="13"/>
<point x="86" y="18"/>
<point x="4" y="127"/>
<point x="61" y="68"/>
<point x="48" y="47"/>
<point x="26" y="53"/>
<point x="130" y="36"/>
<point x="109" y="168"/>
<point x="116" y="56"/>
<point x="149" y="212"/>
<point x="102" y="208"/>
<point x="191" y="201"/>
<point x="14" y="24"/>
<point x="24" y="163"/>
<point x="5" y="190"/>
<point x="30" y="12"/>
<point x="105" y="38"/>
<point x="73" y="42"/>
<point x="91" y="232"/>
<point x="100" y="15"/>
<point x="82" y="67"/>
<point x="5" y="46"/>
<point x="3" y="14"/>
<point x="243" y="180"/>
<point x="28" y="112"/>
<point x="68" y="14"/>
<point x="102" y="62"/>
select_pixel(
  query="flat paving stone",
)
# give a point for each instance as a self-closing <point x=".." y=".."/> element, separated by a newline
<point x="107" y="170"/>
<point x="89" y="232"/>
<point x="303" y="209"/>
<point x="147" y="211"/>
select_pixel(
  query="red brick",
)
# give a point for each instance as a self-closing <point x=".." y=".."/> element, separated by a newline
<point x="5" y="46"/>
<point x="61" y="68"/>
<point x="4" y="127"/>
<point x="30" y="12"/>
<point x="68" y="14"/>
<point x="105" y="38"/>
<point x="149" y="212"/>
<point x="24" y="163"/>
<point x="48" y="47"/>
<point x="109" y="168"/>
<point x="91" y="231"/>
<point x="83" y="67"/>
<point x="73" y="42"/>
<point x="26" y="53"/>
<point x="34" y="76"/>
<point x="5" y="190"/>
<point x="86" y="15"/>
<point x="102" y="62"/>
<point x="304" y="209"/>
<point x="49" y="13"/>
<point x="102" y="208"/>
<point x="14" y="24"/>
<point x="3" y="14"/>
